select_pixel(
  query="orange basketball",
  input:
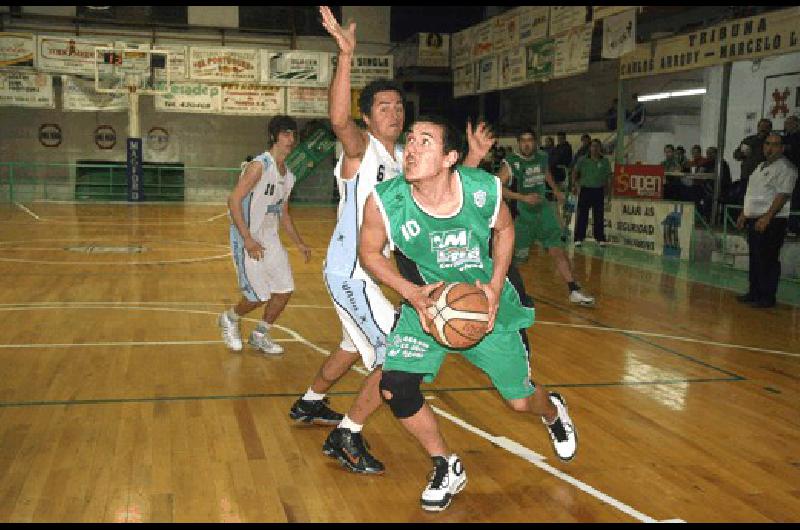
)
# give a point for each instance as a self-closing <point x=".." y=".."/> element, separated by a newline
<point x="460" y="316"/>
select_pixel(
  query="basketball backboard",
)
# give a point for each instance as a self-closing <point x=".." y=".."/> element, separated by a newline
<point x="142" y="70"/>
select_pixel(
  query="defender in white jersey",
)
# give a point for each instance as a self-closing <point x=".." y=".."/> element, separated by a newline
<point x="258" y="205"/>
<point x="369" y="157"/>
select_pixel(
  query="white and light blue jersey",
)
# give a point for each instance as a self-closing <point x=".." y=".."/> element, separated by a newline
<point x="262" y="207"/>
<point x="376" y="166"/>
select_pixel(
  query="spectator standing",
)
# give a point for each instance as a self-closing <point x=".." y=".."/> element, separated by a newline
<point x="583" y="150"/>
<point x="750" y="153"/>
<point x="791" y="146"/>
<point x="672" y="189"/>
<point x="592" y="175"/>
<point x="765" y="215"/>
<point x="636" y="116"/>
<point x="561" y="159"/>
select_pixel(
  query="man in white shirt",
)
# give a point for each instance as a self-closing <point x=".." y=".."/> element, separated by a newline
<point x="765" y="213"/>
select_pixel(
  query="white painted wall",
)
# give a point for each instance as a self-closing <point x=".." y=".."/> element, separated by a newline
<point x="710" y="107"/>
<point x="220" y="16"/>
<point x="57" y="11"/>
<point x="747" y="96"/>
<point x="372" y="22"/>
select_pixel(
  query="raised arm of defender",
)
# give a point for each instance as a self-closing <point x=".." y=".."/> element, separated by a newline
<point x="354" y="140"/>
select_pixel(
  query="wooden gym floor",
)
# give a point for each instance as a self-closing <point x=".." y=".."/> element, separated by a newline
<point x="119" y="402"/>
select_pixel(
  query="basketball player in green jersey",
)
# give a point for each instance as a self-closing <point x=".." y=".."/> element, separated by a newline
<point x="439" y="220"/>
<point x="537" y="220"/>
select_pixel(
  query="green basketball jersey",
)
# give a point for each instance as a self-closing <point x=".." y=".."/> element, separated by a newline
<point x="453" y="248"/>
<point x="529" y="176"/>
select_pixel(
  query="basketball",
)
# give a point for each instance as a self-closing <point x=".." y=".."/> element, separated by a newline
<point x="460" y="317"/>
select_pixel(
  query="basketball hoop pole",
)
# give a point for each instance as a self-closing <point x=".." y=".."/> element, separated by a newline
<point x="134" y="148"/>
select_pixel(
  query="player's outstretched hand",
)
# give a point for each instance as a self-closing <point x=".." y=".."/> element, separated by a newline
<point x="493" y="299"/>
<point x="345" y="38"/>
<point x="420" y="299"/>
<point x="253" y="248"/>
<point x="480" y="140"/>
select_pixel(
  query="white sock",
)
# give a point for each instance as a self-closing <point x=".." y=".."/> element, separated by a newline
<point x="310" y="395"/>
<point x="349" y="424"/>
<point x="232" y="315"/>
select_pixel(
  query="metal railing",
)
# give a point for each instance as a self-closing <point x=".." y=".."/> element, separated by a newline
<point x="29" y="181"/>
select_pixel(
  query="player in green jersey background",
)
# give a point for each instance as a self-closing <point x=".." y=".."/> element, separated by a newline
<point x="537" y="220"/>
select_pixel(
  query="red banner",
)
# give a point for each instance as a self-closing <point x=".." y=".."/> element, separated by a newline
<point x="639" y="180"/>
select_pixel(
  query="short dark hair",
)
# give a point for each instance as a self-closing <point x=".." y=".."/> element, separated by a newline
<point x="367" y="97"/>
<point x="525" y="131"/>
<point x="697" y="146"/>
<point x="598" y="142"/>
<point x="280" y="123"/>
<point x="452" y="140"/>
<point x="669" y="146"/>
<point x="766" y="120"/>
<point x="586" y="136"/>
<point x="561" y="133"/>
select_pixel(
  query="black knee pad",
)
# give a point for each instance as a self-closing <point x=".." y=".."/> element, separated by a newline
<point x="406" y="397"/>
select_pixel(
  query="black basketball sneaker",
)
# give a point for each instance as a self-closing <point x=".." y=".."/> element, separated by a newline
<point x="351" y="450"/>
<point x="316" y="412"/>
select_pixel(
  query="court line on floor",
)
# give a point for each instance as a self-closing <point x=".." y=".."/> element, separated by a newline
<point x="539" y="461"/>
<point x="214" y="218"/>
<point x="28" y="211"/>
<point x="502" y="442"/>
<point x="521" y="451"/>
<point x="634" y="337"/>
<point x="596" y="327"/>
<point x="92" y="263"/>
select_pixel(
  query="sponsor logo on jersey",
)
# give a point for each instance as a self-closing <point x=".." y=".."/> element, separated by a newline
<point x="453" y="248"/>
<point x="480" y="198"/>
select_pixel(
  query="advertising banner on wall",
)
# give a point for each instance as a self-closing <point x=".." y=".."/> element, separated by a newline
<point x="284" y="68"/>
<point x="21" y="88"/>
<point x="79" y="95"/>
<point x="601" y="12"/>
<point x="465" y="79"/>
<point x="572" y="51"/>
<point x="663" y="228"/>
<point x="66" y="55"/>
<point x="17" y="49"/>
<point x="512" y="68"/>
<point x="772" y="33"/>
<point x="639" y="180"/>
<point x="619" y="34"/>
<point x="177" y="61"/>
<point x="191" y="97"/>
<point x="251" y="99"/>
<point x="434" y="50"/>
<point x="781" y="98"/>
<point x="462" y="47"/>
<point x="367" y="68"/>
<point x="488" y="74"/>
<point x="539" y="57"/>
<point x="307" y="102"/>
<point x="311" y="151"/>
<point x="533" y="23"/>
<point x="482" y="43"/>
<point x="566" y="18"/>
<point x="223" y="64"/>
<point x="505" y="31"/>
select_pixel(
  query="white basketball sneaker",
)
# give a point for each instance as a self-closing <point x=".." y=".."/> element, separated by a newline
<point x="260" y="339"/>
<point x="562" y="430"/>
<point x="577" y="297"/>
<point x="445" y="481"/>
<point x="230" y="332"/>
